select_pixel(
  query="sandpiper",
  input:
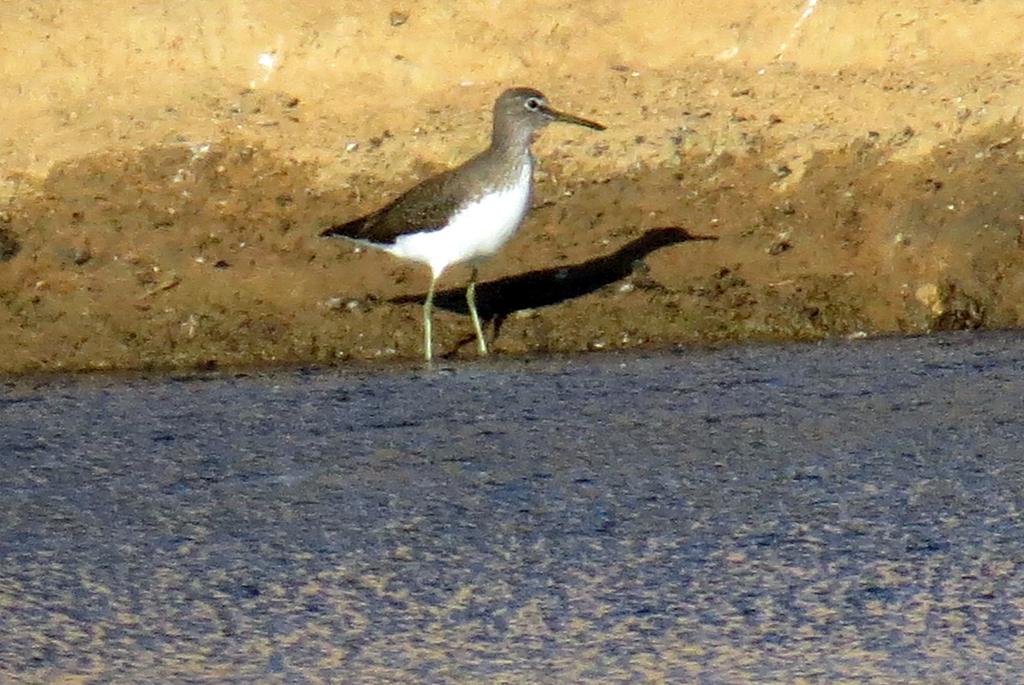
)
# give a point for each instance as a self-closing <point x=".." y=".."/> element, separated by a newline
<point x="468" y="213"/>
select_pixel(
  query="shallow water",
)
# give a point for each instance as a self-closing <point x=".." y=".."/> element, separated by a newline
<point x="842" y="512"/>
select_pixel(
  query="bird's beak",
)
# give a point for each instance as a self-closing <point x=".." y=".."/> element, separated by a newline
<point x="555" y="115"/>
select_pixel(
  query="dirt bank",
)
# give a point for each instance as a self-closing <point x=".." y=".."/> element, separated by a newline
<point x="164" y="173"/>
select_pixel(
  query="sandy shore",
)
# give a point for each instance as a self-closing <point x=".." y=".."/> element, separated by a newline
<point x="164" y="173"/>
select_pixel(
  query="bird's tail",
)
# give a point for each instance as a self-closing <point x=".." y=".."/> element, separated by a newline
<point x="345" y="230"/>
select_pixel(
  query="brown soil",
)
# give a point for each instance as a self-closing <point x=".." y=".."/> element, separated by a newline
<point x="164" y="172"/>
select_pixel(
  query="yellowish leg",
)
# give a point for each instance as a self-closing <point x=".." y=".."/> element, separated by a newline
<point x="481" y="344"/>
<point x="428" y="310"/>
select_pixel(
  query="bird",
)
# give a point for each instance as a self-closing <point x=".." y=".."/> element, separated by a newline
<point x="467" y="213"/>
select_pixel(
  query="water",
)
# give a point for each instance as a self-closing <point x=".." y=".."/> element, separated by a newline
<point x="839" y="512"/>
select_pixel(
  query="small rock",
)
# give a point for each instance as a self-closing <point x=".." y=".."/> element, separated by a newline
<point x="787" y="208"/>
<point x="397" y="18"/>
<point x="779" y="246"/>
<point x="903" y="137"/>
<point x="81" y="255"/>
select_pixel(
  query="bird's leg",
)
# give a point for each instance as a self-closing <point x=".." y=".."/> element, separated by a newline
<point x="428" y="310"/>
<point x="481" y="344"/>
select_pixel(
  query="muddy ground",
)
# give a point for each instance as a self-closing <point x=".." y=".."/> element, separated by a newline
<point x="164" y="172"/>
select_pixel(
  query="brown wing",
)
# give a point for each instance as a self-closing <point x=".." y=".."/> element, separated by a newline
<point x="424" y="207"/>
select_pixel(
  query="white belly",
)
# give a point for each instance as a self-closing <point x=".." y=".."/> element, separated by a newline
<point x="476" y="232"/>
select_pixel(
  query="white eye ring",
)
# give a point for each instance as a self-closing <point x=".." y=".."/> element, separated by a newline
<point x="532" y="103"/>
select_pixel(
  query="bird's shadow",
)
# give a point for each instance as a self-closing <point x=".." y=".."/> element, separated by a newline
<point x="497" y="299"/>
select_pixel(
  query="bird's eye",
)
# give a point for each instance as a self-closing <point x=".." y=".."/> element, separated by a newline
<point x="532" y="103"/>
